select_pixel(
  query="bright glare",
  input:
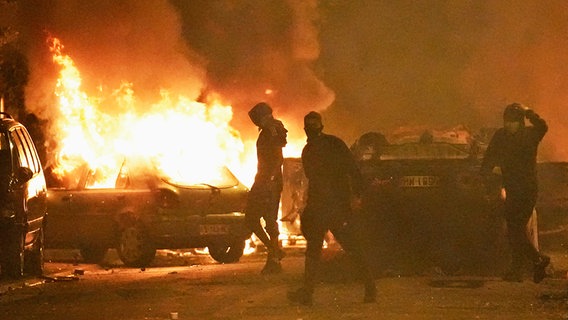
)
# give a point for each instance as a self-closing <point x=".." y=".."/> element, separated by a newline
<point x="185" y="139"/>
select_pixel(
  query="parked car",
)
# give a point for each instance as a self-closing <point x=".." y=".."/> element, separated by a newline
<point x="146" y="211"/>
<point x="23" y="207"/>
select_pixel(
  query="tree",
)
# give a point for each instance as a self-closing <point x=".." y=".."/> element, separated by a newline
<point x="14" y="75"/>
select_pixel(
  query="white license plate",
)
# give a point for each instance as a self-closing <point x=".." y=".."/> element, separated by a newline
<point x="213" y="229"/>
<point x="419" y="181"/>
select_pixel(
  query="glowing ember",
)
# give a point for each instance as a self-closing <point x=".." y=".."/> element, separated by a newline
<point x="186" y="140"/>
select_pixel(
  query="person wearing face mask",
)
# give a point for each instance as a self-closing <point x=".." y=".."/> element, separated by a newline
<point x="513" y="149"/>
<point x="334" y="188"/>
<point x="264" y="196"/>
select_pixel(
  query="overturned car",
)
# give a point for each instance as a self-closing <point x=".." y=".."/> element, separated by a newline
<point x="425" y="204"/>
<point x="429" y="208"/>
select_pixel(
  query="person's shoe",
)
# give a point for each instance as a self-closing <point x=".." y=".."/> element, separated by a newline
<point x="300" y="296"/>
<point x="512" y="276"/>
<point x="539" y="272"/>
<point x="272" y="267"/>
<point x="370" y="293"/>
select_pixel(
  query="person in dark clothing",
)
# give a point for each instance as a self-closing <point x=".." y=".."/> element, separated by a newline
<point x="264" y="196"/>
<point x="334" y="186"/>
<point x="513" y="149"/>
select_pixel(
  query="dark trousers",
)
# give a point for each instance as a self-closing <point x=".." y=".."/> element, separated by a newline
<point x="314" y="229"/>
<point x="263" y="202"/>
<point x="518" y="210"/>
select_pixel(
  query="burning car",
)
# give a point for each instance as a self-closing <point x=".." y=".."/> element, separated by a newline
<point x="145" y="210"/>
<point x="23" y="207"/>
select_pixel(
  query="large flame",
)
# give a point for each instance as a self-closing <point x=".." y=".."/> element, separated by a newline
<point x="184" y="139"/>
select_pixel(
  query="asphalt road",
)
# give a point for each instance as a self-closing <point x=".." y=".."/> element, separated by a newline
<point x="192" y="286"/>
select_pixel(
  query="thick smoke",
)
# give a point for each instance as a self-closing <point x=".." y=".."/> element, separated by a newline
<point x="444" y="63"/>
<point x="110" y="42"/>
<point x="368" y="65"/>
<point x="237" y="52"/>
<point x="260" y="50"/>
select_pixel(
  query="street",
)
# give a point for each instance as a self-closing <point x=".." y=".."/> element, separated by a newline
<point x="190" y="285"/>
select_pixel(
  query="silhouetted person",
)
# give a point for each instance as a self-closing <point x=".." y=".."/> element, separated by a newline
<point x="264" y="196"/>
<point x="334" y="184"/>
<point x="513" y="149"/>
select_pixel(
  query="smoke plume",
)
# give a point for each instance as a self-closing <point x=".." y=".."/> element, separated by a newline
<point x="445" y="63"/>
<point x="238" y="53"/>
<point x="368" y="65"/>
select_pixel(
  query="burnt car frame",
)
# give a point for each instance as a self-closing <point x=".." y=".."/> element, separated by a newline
<point x="425" y="205"/>
<point x="430" y="208"/>
<point x="146" y="211"/>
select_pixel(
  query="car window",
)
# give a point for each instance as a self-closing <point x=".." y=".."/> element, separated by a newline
<point x="32" y="150"/>
<point x="220" y="178"/>
<point x="101" y="178"/>
<point x="21" y="149"/>
<point x="29" y="150"/>
<point x="123" y="179"/>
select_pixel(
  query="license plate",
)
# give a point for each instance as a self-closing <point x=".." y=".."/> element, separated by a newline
<point x="213" y="229"/>
<point x="419" y="181"/>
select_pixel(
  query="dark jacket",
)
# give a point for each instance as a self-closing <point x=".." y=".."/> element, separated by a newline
<point x="333" y="175"/>
<point x="516" y="154"/>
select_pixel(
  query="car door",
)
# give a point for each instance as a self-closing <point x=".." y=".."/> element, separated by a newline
<point x="82" y="216"/>
<point x="35" y="188"/>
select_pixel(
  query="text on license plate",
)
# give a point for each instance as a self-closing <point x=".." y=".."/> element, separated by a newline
<point x="213" y="229"/>
<point x="419" y="181"/>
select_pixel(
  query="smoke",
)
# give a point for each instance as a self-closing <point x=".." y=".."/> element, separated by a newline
<point x="260" y="50"/>
<point x="368" y="65"/>
<point x="445" y="63"/>
<point x="237" y="52"/>
<point x="111" y="42"/>
<point x="521" y="57"/>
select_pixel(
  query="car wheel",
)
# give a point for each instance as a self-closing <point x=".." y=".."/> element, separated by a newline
<point x="33" y="260"/>
<point x="93" y="253"/>
<point x="13" y="264"/>
<point x="227" y="253"/>
<point x="135" y="249"/>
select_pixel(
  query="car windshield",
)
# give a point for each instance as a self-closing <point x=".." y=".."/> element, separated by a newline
<point x="425" y="151"/>
<point x="219" y="178"/>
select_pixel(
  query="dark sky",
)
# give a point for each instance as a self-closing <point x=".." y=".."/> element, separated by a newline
<point x="366" y="64"/>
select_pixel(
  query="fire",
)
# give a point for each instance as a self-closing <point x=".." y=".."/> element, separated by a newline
<point x="184" y="139"/>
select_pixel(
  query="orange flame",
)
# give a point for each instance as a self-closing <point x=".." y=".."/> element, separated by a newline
<point x="185" y="139"/>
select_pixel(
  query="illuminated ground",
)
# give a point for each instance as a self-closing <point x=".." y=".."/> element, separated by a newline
<point x="196" y="287"/>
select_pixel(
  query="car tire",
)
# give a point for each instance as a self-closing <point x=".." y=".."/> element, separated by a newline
<point x="135" y="248"/>
<point x="227" y="253"/>
<point x="13" y="260"/>
<point x="93" y="253"/>
<point x="34" y="259"/>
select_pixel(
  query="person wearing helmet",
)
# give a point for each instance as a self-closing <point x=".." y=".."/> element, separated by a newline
<point x="513" y="148"/>
<point x="264" y="196"/>
<point x="334" y="188"/>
